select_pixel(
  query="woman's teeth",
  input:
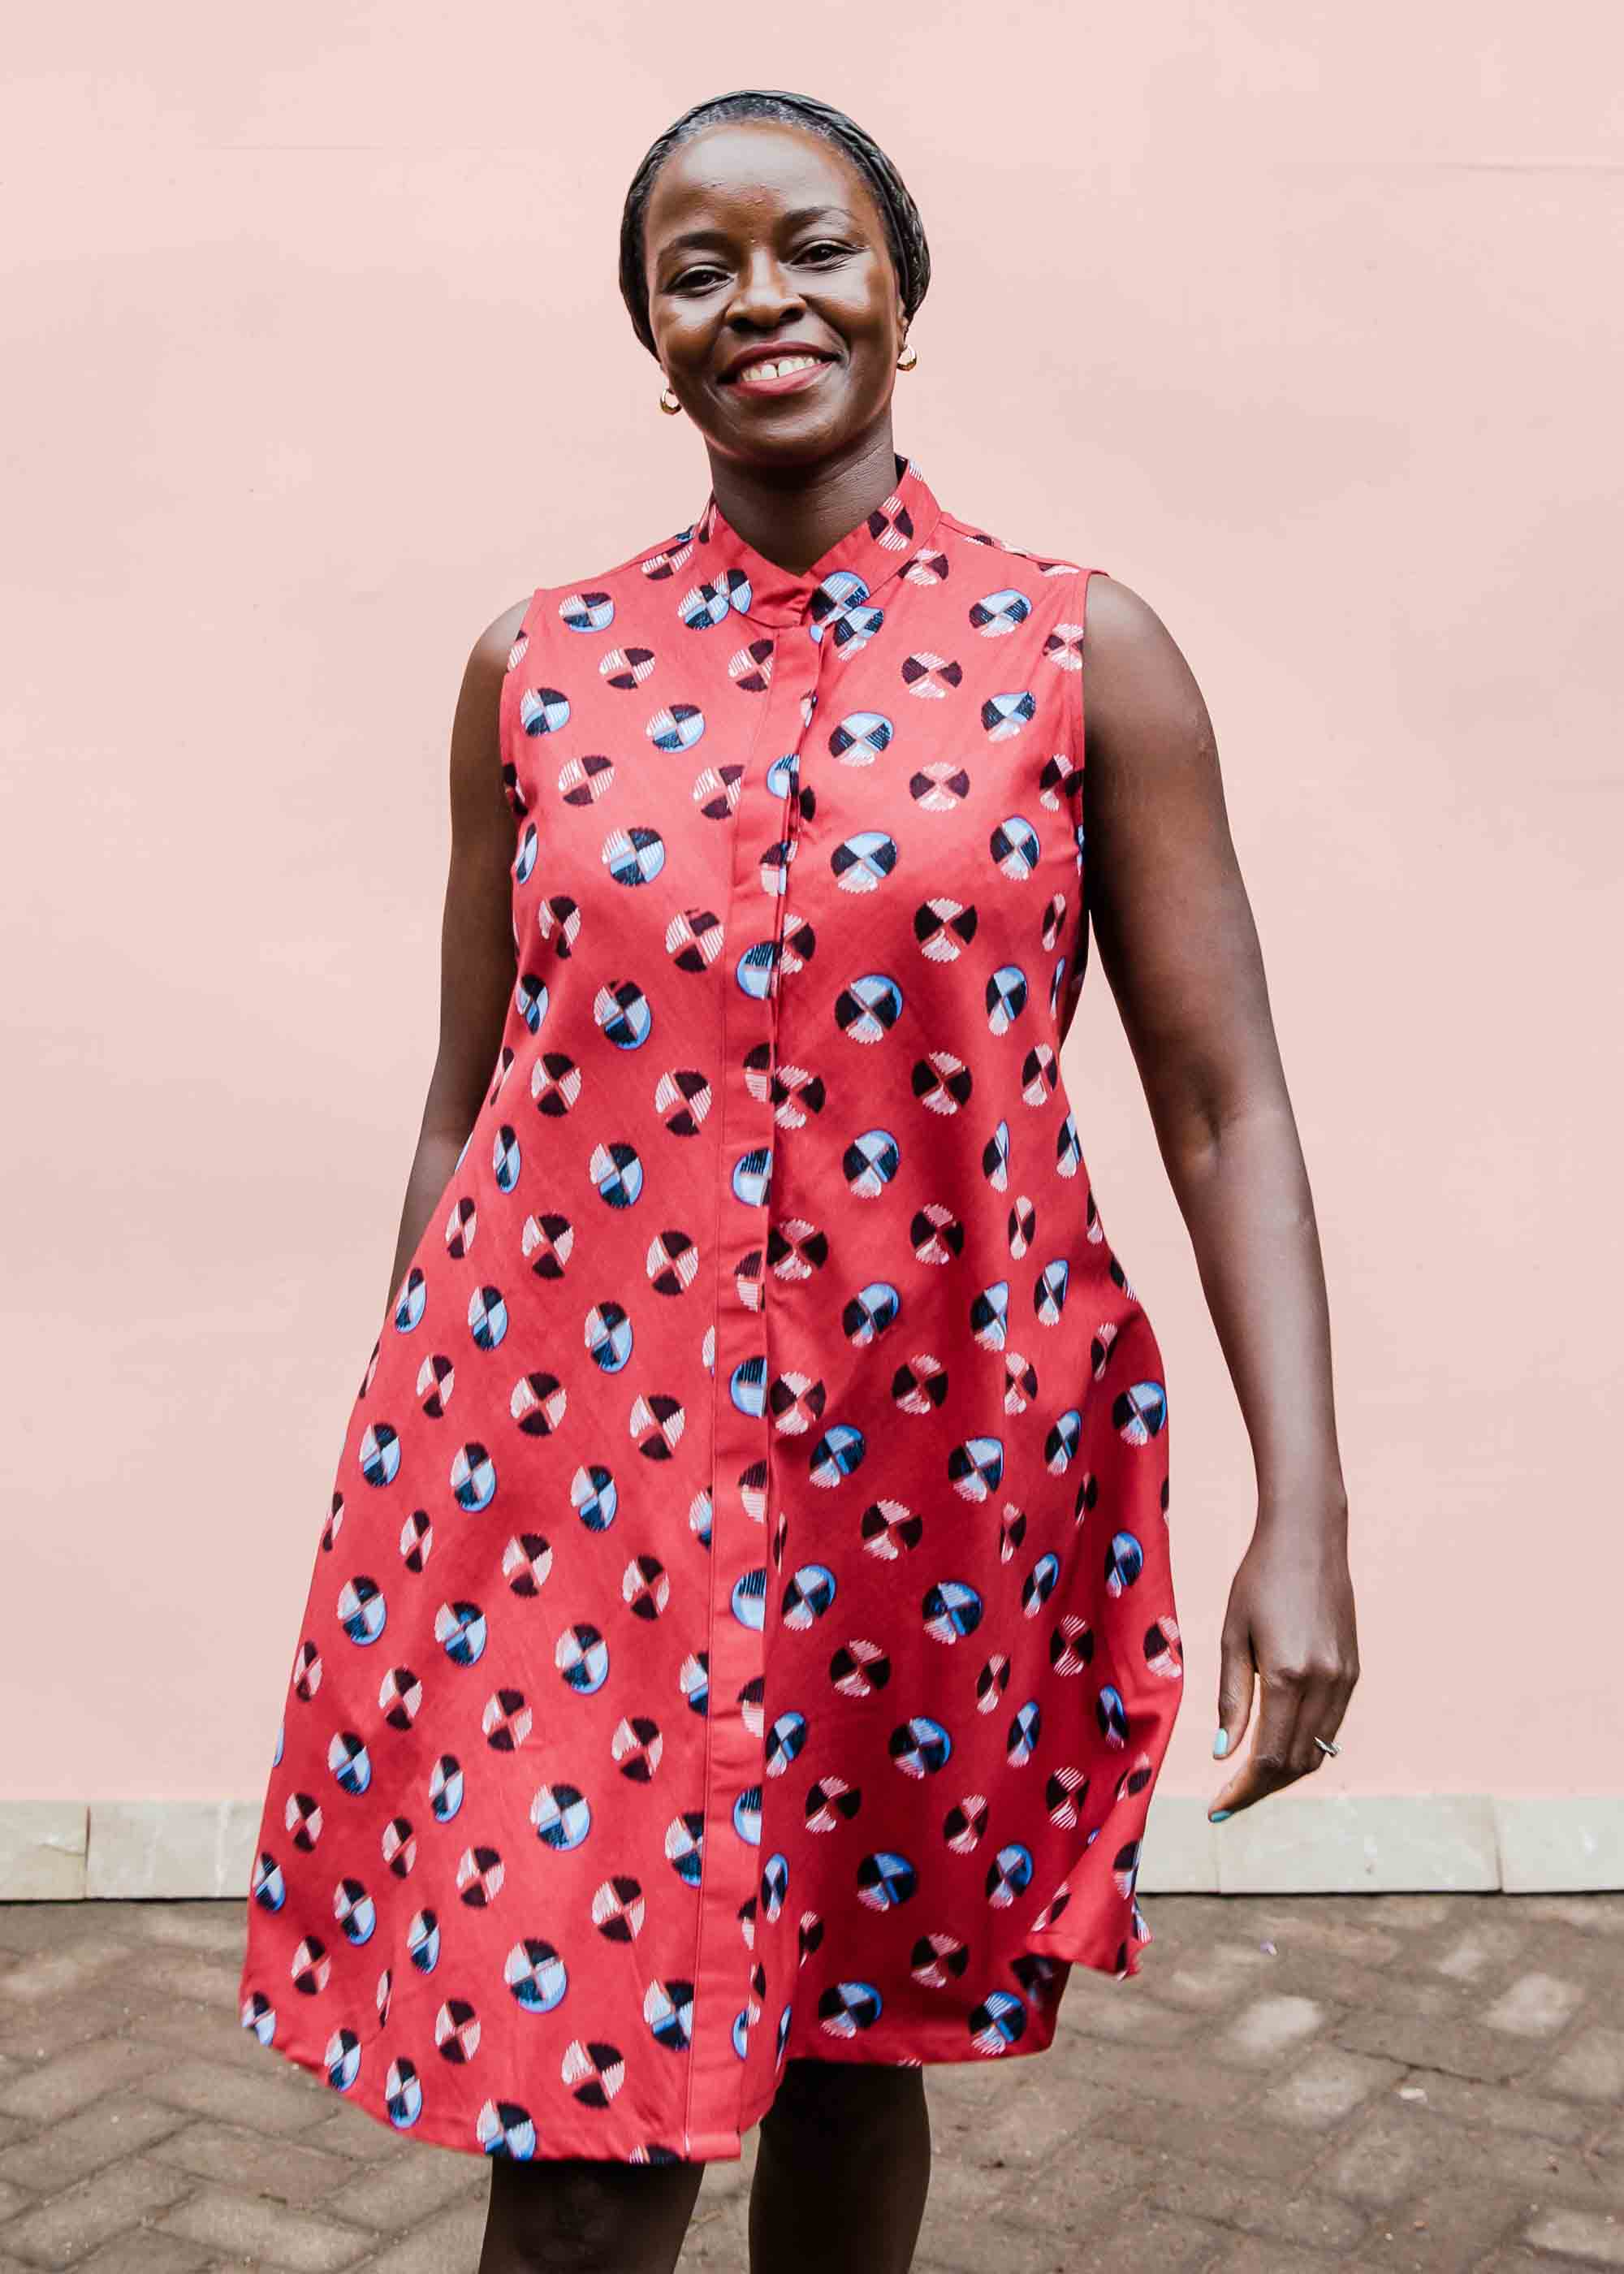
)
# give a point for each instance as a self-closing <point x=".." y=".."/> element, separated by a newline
<point x="778" y="370"/>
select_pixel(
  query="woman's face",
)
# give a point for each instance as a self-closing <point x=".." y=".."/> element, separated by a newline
<point x="759" y="235"/>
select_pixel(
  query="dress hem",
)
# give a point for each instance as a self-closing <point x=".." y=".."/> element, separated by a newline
<point x="716" y="2146"/>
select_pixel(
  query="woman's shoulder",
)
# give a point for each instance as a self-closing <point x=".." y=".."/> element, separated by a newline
<point x="493" y="648"/>
<point x="973" y="538"/>
<point x="589" y="601"/>
<point x="1131" y="657"/>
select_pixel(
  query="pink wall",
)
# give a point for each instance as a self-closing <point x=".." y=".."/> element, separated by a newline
<point x="1304" y="321"/>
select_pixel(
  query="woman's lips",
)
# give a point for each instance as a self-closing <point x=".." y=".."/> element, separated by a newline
<point x="748" y="383"/>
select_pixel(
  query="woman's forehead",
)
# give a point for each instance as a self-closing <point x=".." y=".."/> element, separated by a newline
<point x="760" y="164"/>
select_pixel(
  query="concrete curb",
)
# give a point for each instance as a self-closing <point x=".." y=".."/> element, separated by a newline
<point x="1301" y="1844"/>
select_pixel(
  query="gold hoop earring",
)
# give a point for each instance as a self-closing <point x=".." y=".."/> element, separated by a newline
<point x="668" y="401"/>
<point x="909" y="356"/>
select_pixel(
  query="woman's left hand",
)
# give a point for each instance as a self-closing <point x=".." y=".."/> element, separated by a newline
<point x="1289" y="1624"/>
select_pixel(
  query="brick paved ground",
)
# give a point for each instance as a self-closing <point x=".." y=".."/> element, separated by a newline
<point x="1404" y="2082"/>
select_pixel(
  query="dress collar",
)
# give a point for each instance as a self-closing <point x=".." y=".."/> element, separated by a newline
<point x="872" y="554"/>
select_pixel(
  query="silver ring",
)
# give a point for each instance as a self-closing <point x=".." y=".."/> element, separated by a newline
<point x="1326" y="1746"/>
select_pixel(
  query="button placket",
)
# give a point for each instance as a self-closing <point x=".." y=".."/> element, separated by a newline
<point x="726" y="2012"/>
<point x="789" y="833"/>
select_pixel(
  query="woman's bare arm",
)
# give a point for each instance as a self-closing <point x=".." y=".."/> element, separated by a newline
<point x="1180" y="948"/>
<point x="478" y="971"/>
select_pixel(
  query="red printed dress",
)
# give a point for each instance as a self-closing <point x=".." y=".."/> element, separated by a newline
<point x="744" y="1629"/>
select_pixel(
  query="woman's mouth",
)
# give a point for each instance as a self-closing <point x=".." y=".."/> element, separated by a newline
<point x="779" y="374"/>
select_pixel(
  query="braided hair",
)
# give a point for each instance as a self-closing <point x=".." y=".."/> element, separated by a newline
<point x="904" y="229"/>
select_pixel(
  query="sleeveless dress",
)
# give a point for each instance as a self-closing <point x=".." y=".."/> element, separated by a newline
<point x="743" y="1627"/>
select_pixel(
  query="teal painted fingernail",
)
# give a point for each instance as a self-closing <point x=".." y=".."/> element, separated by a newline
<point x="1220" y="1816"/>
<point x="1221" y="1745"/>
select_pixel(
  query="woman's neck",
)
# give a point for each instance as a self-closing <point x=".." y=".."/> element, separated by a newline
<point x="792" y="515"/>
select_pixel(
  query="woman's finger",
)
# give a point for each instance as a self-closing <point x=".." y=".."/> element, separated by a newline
<point x="1314" y="1718"/>
<point x="1265" y="1768"/>
<point x="1338" y="1694"/>
<point x="1235" y="1675"/>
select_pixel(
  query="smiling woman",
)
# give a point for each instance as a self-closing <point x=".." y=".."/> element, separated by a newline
<point x="742" y="1644"/>
<point x="747" y="240"/>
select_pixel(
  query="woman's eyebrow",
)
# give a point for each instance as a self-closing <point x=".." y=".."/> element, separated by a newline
<point x="793" y="219"/>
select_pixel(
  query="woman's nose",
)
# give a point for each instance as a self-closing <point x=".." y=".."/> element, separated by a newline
<point x="766" y="290"/>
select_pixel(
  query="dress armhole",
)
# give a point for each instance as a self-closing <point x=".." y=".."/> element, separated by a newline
<point x="1078" y="700"/>
<point x="514" y="789"/>
<point x="1076" y="706"/>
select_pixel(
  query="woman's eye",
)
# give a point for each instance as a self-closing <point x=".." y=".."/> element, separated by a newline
<point x="698" y="279"/>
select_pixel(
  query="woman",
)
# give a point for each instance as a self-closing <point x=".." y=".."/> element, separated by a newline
<point x="742" y="1646"/>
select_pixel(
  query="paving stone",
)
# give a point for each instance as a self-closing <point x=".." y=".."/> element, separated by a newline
<point x="1537" y="2169"/>
<point x="1506" y="2107"/>
<point x="1594" y="2238"/>
<point x="1421" y="2041"/>
<point x="720" y="2242"/>
<point x="52" y="2090"/>
<point x="348" y="2131"/>
<point x="1443" y="2230"/>
<point x="30" y="2033"/>
<point x="60" y="2233"/>
<point x="1330" y="1979"/>
<point x="452" y="2239"/>
<point x="1238" y="2144"/>
<point x="1270" y="2026"/>
<point x="1080" y="2190"/>
<point x="1383" y="2162"/>
<point x="1418" y="1915"/>
<point x="48" y="1974"/>
<point x="39" y="1926"/>
<point x="1198" y="2086"/>
<point x="713" y="2250"/>
<point x="183" y="2028"/>
<point x="1591" y="2068"/>
<point x="1263" y="2255"/>
<point x="121" y="2124"/>
<point x="1484" y="1947"/>
<point x="1215" y="1979"/>
<point x="959" y="2189"/>
<point x="1591" y="1914"/>
<point x="143" y="2252"/>
<point x="217" y="1927"/>
<point x="1537" y="2006"/>
<point x="1196" y="1922"/>
<point x="1326" y="2087"/>
<point x="1301" y="2216"/>
<point x="250" y="2227"/>
<point x="1395" y="2154"/>
<point x="1138" y="2236"/>
<point x="390" y="2196"/>
<point x="279" y="2099"/>
<point x="1108" y="2008"/>
<point x="285" y="2171"/>
<point x="1007" y="2128"/>
<point x="710" y="2251"/>
<point x="196" y="1975"/>
<point x="1312" y="1924"/>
